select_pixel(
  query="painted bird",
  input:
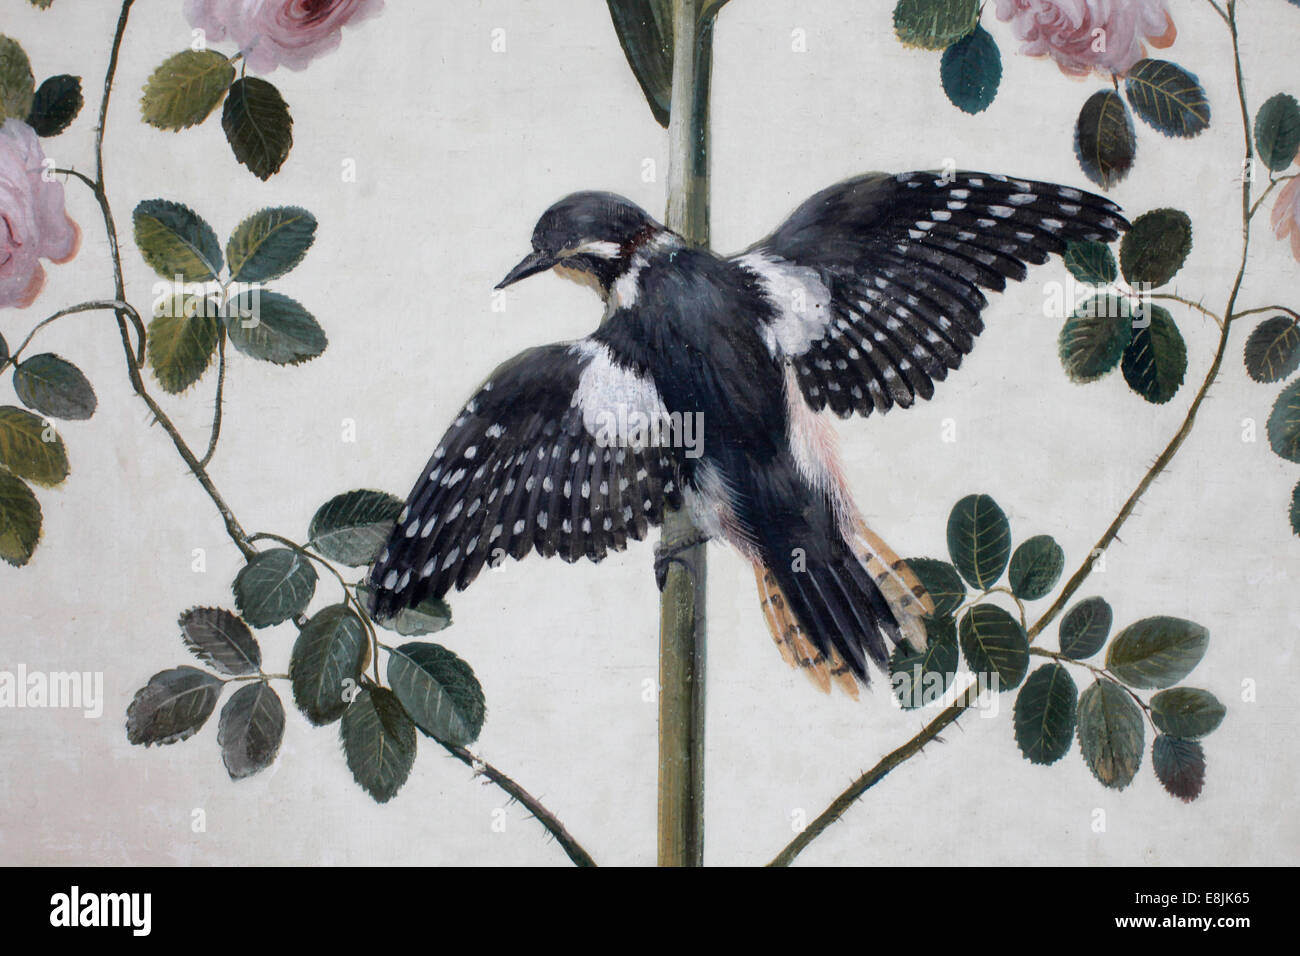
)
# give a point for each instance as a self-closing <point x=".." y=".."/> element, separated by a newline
<point x="703" y="386"/>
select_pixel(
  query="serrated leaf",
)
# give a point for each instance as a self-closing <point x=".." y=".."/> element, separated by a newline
<point x="934" y="24"/>
<point x="4" y="352"/>
<point x="645" y="31"/>
<point x="1091" y="262"/>
<point x="182" y="340"/>
<point x="942" y="582"/>
<point x="1187" y="712"/>
<point x="1155" y="362"/>
<point x="172" y="706"/>
<point x="1093" y="340"/>
<point x="274" y="586"/>
<point x="428" y="617"/>
<point x="379" y="742"/>
<point x="1180" y="766"/>
<point x="920" y="678"/>
<point x="1157" y="651"/>
<point x="1085" y="628"/>
<point x="1284" y="423"/>
<point x="1168" y="97"/>
<point x="1045" y="714"/>
<point x="979" y="540"/>
<point x="250" y="730"/>
<point x="439" y="692"/>
<point x="995" y="645"/>
<point x="221" y="640"/>
<point x="176" y="241"/>
<point x="31" y="448"/>
<point x="1110" y="734"/>
<point x="270" y="243"/>
<point x="186" y="88"/>
<point x="54" y="387"/>
<point x="1277" y="132"/>
<point x="273" y="328"/>
<point x="20" y="520"/>
<point x="56" y="104"/>
<point x="353" y="527"/>
<point x="971" y="71"/>
<point x="258" y="126"/>
<point x="1036" y="567"/>
<point x="1105" y="141"/>
<point x="326" y="663"/>
<point x="17" y="84"/>
<point x="1295" y="510"/>
<point x="1273" y="349"/>
<point x="1156" y="247"/>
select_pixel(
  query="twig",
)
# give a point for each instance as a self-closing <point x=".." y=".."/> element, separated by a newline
<point x="97" y="305"/>
<point x="221" y="391"/>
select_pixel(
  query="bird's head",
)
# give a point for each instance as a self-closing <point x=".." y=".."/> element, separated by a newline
<point x="589" y="238"/>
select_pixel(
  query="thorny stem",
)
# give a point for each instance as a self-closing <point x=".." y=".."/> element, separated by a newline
<point x="95" y="306"/>
<point x="221" y="392"/>
<point x="967" y="698"/>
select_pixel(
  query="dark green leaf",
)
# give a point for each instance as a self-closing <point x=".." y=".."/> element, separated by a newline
<point x="56" y="105"/>
<point x="54" y="387"/>
<point x="934" y="24"/>
<point x="1091" y="262"/>
<point x="1156" y="247"/>
<point x="1044" y="714"/>
<point x="1085" y="628"/>
<point x="352" y="527"/>
<point x="942" y="582"/>
<point x="31" y="448"/>
<point x="1277" y="132"/>
<point x="1180" y="766"/>
<point x="17" y="84"/>
<point x="274" y="328"/>
<point x="1295" y="510"/>
<point x="176" y="241"/>
<point x="379" y="742"/>
<point x="439" y="691"/>
<point x="1273" y="349"/>
<point x="1187" y="712"/>
<point x="274" y="586"/>
<point x="182" y="340"/>
<point x="1110" y="734"/>
<point x="1036" y="567"/>
<point x="979" y="540"/>
<point x="1094" y="339"/>
<point x="428" y="617"/>
<point x="172" y="706"/>
<point x="20" y="520"/>
<point x="971" y="70"/>
<point x="186" y="88"/>
<point x="326" y="663"/>
<point x="645" y="31"/>
<point x="1283" y="423"/>
<point x="1155" y="362"/>
<point x="270" y="243"/>
<point x="1168" y="97"/>
<point x="250" y="730"/>
<point x="258" y="126"/>
<point x="920" y="678"/>
<point x="1157" y="651"/>
<point x="221" y="640"/>
<point x="1104" y="139"/>
<point x="4" y="351"/>
<point x="995" y="644"/>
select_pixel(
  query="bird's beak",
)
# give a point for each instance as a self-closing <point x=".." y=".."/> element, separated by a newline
<point x="531" y="264"/>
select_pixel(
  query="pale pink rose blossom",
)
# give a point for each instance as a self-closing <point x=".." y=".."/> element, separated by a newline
<point x="33" y="224"/>
<point x="1082" y="36"/>
<point x="272" y="33"/>
<point x="1286" y="215"/>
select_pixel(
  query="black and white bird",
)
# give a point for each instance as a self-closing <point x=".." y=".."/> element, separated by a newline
<point x="864" y="298"/>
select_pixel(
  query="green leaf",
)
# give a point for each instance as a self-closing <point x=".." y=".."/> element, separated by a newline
<point x="172" y="706"/>
<point x="934" y="24"/>
<point x="1284" y="423"/>
<point x="4" y="352"/>
<point x="250" y="730"/>
<point x="1085" y="628"/>
<point x="1094" y="339"/>
<point x="326" y="664"/>
<point x="54" y="387"/>
<point x="1105" y="141"/>
<point x="428" y="617"/>
<point x="182" y="340"/>
<point x="1091" y="262"/>
<point x="1295" y="510"/>
<point x="920" y="678"/>
<point x="55" y="105"/>
<point x="353" y="527"/>
<point x="1045" y="714"/>
<point x="1277" y="132"/>
<point x="176" y="241"/>
<point x="1157" y="651"/>
<point x="439" y="691"/>
<point x="995" y="644"/>
<point x="17" y="84"/>
<point x="1180" y="766"/>
<point x="186" y="88"/>
<point x="971" y="70"/>
<point x="258" y="126"/>
<point x="31" y="448"/>
<point x="273" y="328"/>
<point x="1168" y="97"/>
<point x="1187" y="712"/>
<point x="942" y="582"/>
<point x="379" y="743"/>
<point x="274" y="586"/>
<point x="645" y="31"/>
<point x="1155" y="362"/>
<point x="1036" y="567"/>
<point x="1156" y="247"/>
<point x="979" y="540"/>
<point x="221" y="640"/>
<point x="1273" y="349"/>
<point x="1110" y="734"/>
<point x="20" y="520"/>
<point x="270" y="243"/>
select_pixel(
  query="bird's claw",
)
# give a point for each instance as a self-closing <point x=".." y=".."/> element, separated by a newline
<point x="667" y="554"/>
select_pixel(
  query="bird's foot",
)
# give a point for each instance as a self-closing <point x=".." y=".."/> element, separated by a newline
<point x="666" y="554"/>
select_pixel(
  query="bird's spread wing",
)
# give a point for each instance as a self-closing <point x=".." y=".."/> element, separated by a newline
<point x="550" y="455"/>
<point x="876" y="283"/>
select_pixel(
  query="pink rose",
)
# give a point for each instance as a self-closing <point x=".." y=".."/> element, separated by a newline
<point x="273" y="33"/>
<point x="33" y="225"/>
<point x="1086" y="35"/>
<point x="1286" y="215"/>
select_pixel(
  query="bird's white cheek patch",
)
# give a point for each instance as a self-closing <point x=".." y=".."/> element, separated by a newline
<point x="801" y="300"/>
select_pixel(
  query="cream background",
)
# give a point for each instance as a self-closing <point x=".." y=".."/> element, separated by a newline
<point x="458" y="150"/>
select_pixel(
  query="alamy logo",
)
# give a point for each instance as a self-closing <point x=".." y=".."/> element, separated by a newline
<point x="74" y="909"/>
<point x="72" y="690"/>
